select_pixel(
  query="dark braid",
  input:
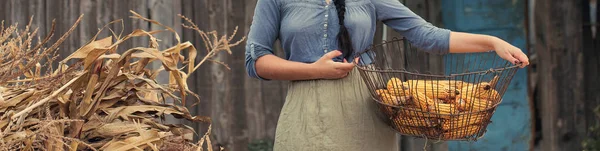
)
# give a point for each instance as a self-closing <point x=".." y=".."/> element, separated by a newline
<point x="344" y="40"/>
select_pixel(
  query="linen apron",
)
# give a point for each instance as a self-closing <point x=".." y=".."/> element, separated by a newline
<point x="332" y="115"/>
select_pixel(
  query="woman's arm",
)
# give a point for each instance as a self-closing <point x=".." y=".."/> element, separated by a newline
<point x="264" y="30"/>
<point x="468" y="43"/>
<point x="424" y="35"/>
<point x="273" y="67"/>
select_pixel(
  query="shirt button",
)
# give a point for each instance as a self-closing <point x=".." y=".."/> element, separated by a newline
<point x="325" y="25"/>
<point x="327" y="15"/>
<point x="325" y="50"/>
<point x="325" y="36"/>
<point x="326" y="6"/>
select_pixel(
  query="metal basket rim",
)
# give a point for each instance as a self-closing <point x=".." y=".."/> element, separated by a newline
<point x="462" y="139"/>
<point x="491" y="70"/>
<point x="395" y="39"/>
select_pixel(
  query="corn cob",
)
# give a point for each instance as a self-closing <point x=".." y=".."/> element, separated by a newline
<point x="460" y="104"/>
<point x="423" y="102"/>
<point x="432" y="90"/>
<point x="444" y="109"/>
<point x="394" y="100"/>
<point x="464" y="121"/>
<point x="430" y="105"/>
<point x="381" y="91"/>
<point x="421" y="114"/>
<point x="441" y="101"/>
<point x="387" y="110"/>
<point x="456" y="84"/>
<point x="476" y="104"/>
<point x="417" y="114"/>
<point x="388" y="99"/>
<point x="494" y="81"/>
<point x="441" y="83"/>
<point x="418" y="122"/>
<point x="482" y="91"/>
<point x="417" y="131"/>
<point x="460" y="133"/>
<point x="396" y="87"/>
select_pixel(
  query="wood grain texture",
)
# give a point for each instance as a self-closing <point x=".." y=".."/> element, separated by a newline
<point x="561" y="87"/>
<point x="591" y="57"/>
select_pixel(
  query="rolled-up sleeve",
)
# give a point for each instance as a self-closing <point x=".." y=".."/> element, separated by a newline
<point x="415" y="29"/>
<point x="263" y="33"/>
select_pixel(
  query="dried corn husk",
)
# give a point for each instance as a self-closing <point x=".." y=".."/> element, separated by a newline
<point x="433" y="89"/>
<point x="416" y="122"/>
<point x="396" y="87"/>
<point x="418" y="131"/>
<point x="461" y="133"/>
<point x="476" y="104"/>
<point x="482" y="90"/>
<point x="421" y="114"/>
<point x="394" y="100"/>
<point x="465" y="120"/>
<point x="106" y="100"/>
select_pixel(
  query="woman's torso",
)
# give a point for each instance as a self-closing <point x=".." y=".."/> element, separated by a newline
<point x="309" y="28"/>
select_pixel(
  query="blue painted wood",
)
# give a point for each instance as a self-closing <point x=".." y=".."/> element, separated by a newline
<point x="510" y="129"/>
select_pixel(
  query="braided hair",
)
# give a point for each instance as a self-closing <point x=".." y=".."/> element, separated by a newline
<point x="343" y="36"/>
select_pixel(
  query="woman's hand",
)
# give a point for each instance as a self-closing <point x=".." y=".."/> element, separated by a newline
<point x="326" y="68"/>
<point x="510" y="53"/>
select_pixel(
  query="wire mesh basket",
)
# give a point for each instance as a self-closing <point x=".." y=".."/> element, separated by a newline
<point x="434" y="96"/>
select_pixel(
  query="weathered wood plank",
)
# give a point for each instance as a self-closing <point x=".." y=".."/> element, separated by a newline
<point x="65" y="13"/>
<point x="256" y="105"/>
<point x="561" y="62"/>
<point x="591" y="45"/>
<point x="221" y="106"/>
<point x="236" y="15"/>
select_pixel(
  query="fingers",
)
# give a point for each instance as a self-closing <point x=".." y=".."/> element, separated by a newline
<point x="509" y="57"/>
<point x="343" y="69"/>
<point x="523" y="59"/>
<point x="338" y="74"/>
<point x="344" y="66"/>
<point x="337" y="69"/>
<point x="331" y="55"/>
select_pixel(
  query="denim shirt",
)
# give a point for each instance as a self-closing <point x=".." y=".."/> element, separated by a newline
<point x="308" y="29"/>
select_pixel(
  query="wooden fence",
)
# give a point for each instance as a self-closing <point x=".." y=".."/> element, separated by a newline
<point x="564" y="79"/>
<point x="244" y="110"/>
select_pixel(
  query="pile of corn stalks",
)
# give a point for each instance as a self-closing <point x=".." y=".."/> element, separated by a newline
<point x="105" y="100"/>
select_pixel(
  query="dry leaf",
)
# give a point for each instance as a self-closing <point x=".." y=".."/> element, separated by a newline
<point x="106" y="100"/>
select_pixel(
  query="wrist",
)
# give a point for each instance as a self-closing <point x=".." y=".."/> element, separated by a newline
<point x="313" y="71"/>
<point x="493" y="43"/>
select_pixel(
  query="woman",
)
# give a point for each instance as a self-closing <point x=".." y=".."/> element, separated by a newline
<point x="327" y="105"/>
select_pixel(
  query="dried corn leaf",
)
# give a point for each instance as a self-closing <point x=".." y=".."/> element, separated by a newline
<point x="135" y="142"/>
<point x="106" y="100"/>
<point x="91" y="51"/>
